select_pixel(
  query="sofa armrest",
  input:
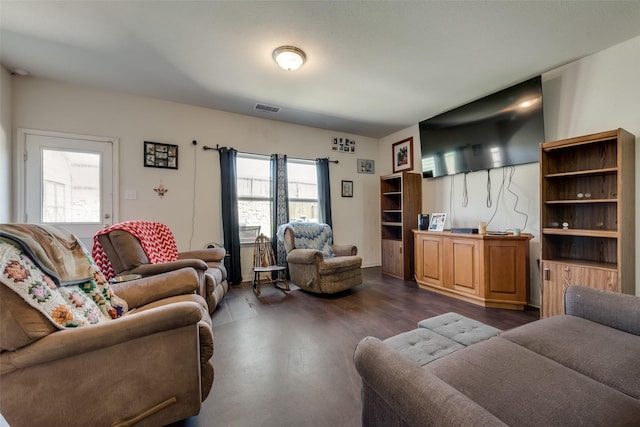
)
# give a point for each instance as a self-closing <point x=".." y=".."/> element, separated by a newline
<point x="74" y="341"/>
<point x="304" y="256"/>
<point x="345" y="250"/>
<point x="164" y="267"/>
<point x="207" y="255"/>
<point x="153" y="288"/>
<point x="414" y="395"/>
<point x="613" y="309"/>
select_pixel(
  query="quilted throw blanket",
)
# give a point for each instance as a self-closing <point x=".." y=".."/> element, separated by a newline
<point x="70" y="306"/>
<point x="156" y="239"/>
<point x="310" y="235"/>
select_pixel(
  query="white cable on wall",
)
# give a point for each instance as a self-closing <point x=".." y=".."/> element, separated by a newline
<point x="193" y="205"/>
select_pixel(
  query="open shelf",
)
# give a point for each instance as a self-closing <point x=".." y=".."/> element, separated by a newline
<point x="588" y="183"/>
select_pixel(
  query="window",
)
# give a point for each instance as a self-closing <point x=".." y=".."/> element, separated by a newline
<point x="303" y="190"/>
<point x="254" y="194"/>
<point x="254" y="200"/>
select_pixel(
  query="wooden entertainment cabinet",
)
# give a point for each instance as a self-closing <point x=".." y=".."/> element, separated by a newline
<point x="487" y="270"/>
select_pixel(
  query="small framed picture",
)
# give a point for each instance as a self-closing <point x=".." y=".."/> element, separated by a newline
<point x="347" y="188"/>
<point x="403" y="155"/>
<point x="437" y="221"/>
<point x="366" y="166"/>
<point x="158" y="155"/>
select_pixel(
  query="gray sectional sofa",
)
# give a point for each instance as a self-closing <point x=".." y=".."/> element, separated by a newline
<point x="581" y="368"/>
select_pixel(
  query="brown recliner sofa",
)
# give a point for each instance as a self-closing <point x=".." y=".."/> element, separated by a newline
<point x="150" y="367"/>
<point x="311" y="270"/>
<point x="127" y="256"/>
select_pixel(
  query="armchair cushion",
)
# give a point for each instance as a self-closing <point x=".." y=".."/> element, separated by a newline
<point x="311" y="235"/>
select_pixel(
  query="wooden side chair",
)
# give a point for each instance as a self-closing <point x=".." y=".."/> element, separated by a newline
<point x="264" y="262"/>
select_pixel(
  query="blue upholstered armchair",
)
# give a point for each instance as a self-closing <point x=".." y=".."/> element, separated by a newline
<point x="315" y="263"/>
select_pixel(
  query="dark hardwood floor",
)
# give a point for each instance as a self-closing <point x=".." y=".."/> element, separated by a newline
<point x="286" y="359"/>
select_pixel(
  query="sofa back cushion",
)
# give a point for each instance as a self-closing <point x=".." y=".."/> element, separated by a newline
<point x="20" y="324"/>
<point x="123" y="250"/>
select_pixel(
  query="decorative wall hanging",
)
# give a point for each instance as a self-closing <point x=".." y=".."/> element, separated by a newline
<point x="347" y="188"/>
<point x="366" y="166"/>
<point x="158" y="155"/>
<point x="161" y="190"/>
<point x="343" y="145"/>
<point x="403" y="155"/>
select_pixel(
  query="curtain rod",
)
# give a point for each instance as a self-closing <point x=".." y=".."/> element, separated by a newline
<point x="218" y="148"/>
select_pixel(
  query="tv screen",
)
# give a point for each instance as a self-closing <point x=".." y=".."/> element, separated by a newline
<point x="501" y="129"/>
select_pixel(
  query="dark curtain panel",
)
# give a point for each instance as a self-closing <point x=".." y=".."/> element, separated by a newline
<point x="230" y="227"/>
<point x="324" y="191"/>
<point x="279" y="204"/>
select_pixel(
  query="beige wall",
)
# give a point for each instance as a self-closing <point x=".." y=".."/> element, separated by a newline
<point x="5" y="144"/>
<point x="594" y="94"/>
<point x="590" y="95"/>
<point x="191" y="207"/>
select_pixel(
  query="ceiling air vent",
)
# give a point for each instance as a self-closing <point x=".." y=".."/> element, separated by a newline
<point x="267" y="108"/>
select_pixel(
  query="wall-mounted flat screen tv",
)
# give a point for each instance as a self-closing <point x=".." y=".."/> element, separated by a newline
<point x="501" y="129"/>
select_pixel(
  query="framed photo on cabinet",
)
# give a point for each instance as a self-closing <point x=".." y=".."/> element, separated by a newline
<point x="437" y="221"/>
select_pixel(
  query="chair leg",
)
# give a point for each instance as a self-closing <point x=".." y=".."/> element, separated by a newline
<point x="256" y="283"/>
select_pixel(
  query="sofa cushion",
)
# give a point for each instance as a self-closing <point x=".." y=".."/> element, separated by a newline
<point x="422" y="345"/>
<point x="459" y="328"/>
<point x="339" y="264"/>
<point x="523" y="388"/>
<point x="605" y="354"/>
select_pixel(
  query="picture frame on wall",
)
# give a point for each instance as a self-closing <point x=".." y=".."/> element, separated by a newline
<point x="159" y="155"/>
<point x="403" y="155"/>
<point x="437" y="221"/>
<point x="347" y="188"/>
<point x="366" y="166"/>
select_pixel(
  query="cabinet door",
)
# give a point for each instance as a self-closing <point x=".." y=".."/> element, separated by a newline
<point x="429" y="259"/>
<point x="462" y="267"/>
<point x="556" y="277"/>
<point x="506" y="270"/>
<point x="392" y="259"/>
<point x="552" y="289"/>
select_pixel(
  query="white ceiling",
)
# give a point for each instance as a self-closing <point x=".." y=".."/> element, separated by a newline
<point x="373" y="67"/>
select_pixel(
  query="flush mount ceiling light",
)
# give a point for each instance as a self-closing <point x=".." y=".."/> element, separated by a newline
<point x="289" y="58"/>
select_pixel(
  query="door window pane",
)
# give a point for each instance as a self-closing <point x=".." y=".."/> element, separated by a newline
<point x="70" y="187"/>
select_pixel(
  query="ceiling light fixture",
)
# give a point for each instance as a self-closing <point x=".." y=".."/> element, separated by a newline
<point x="289" y="58"/>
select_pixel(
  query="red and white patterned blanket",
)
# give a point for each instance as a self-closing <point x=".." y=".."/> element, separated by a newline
<point x="156" y="239"/>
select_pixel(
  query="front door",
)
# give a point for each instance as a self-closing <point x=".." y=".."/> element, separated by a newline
<point x="69" y="181"/>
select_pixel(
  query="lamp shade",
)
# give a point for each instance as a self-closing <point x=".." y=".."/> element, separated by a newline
<point x="289" y="58"/>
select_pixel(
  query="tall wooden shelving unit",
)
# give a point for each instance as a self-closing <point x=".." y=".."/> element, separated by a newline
<point x="400" y="202"/>
<point x="588" y="184"/>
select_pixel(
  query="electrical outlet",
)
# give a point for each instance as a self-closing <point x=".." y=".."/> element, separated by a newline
<point x="130" y="194"/>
